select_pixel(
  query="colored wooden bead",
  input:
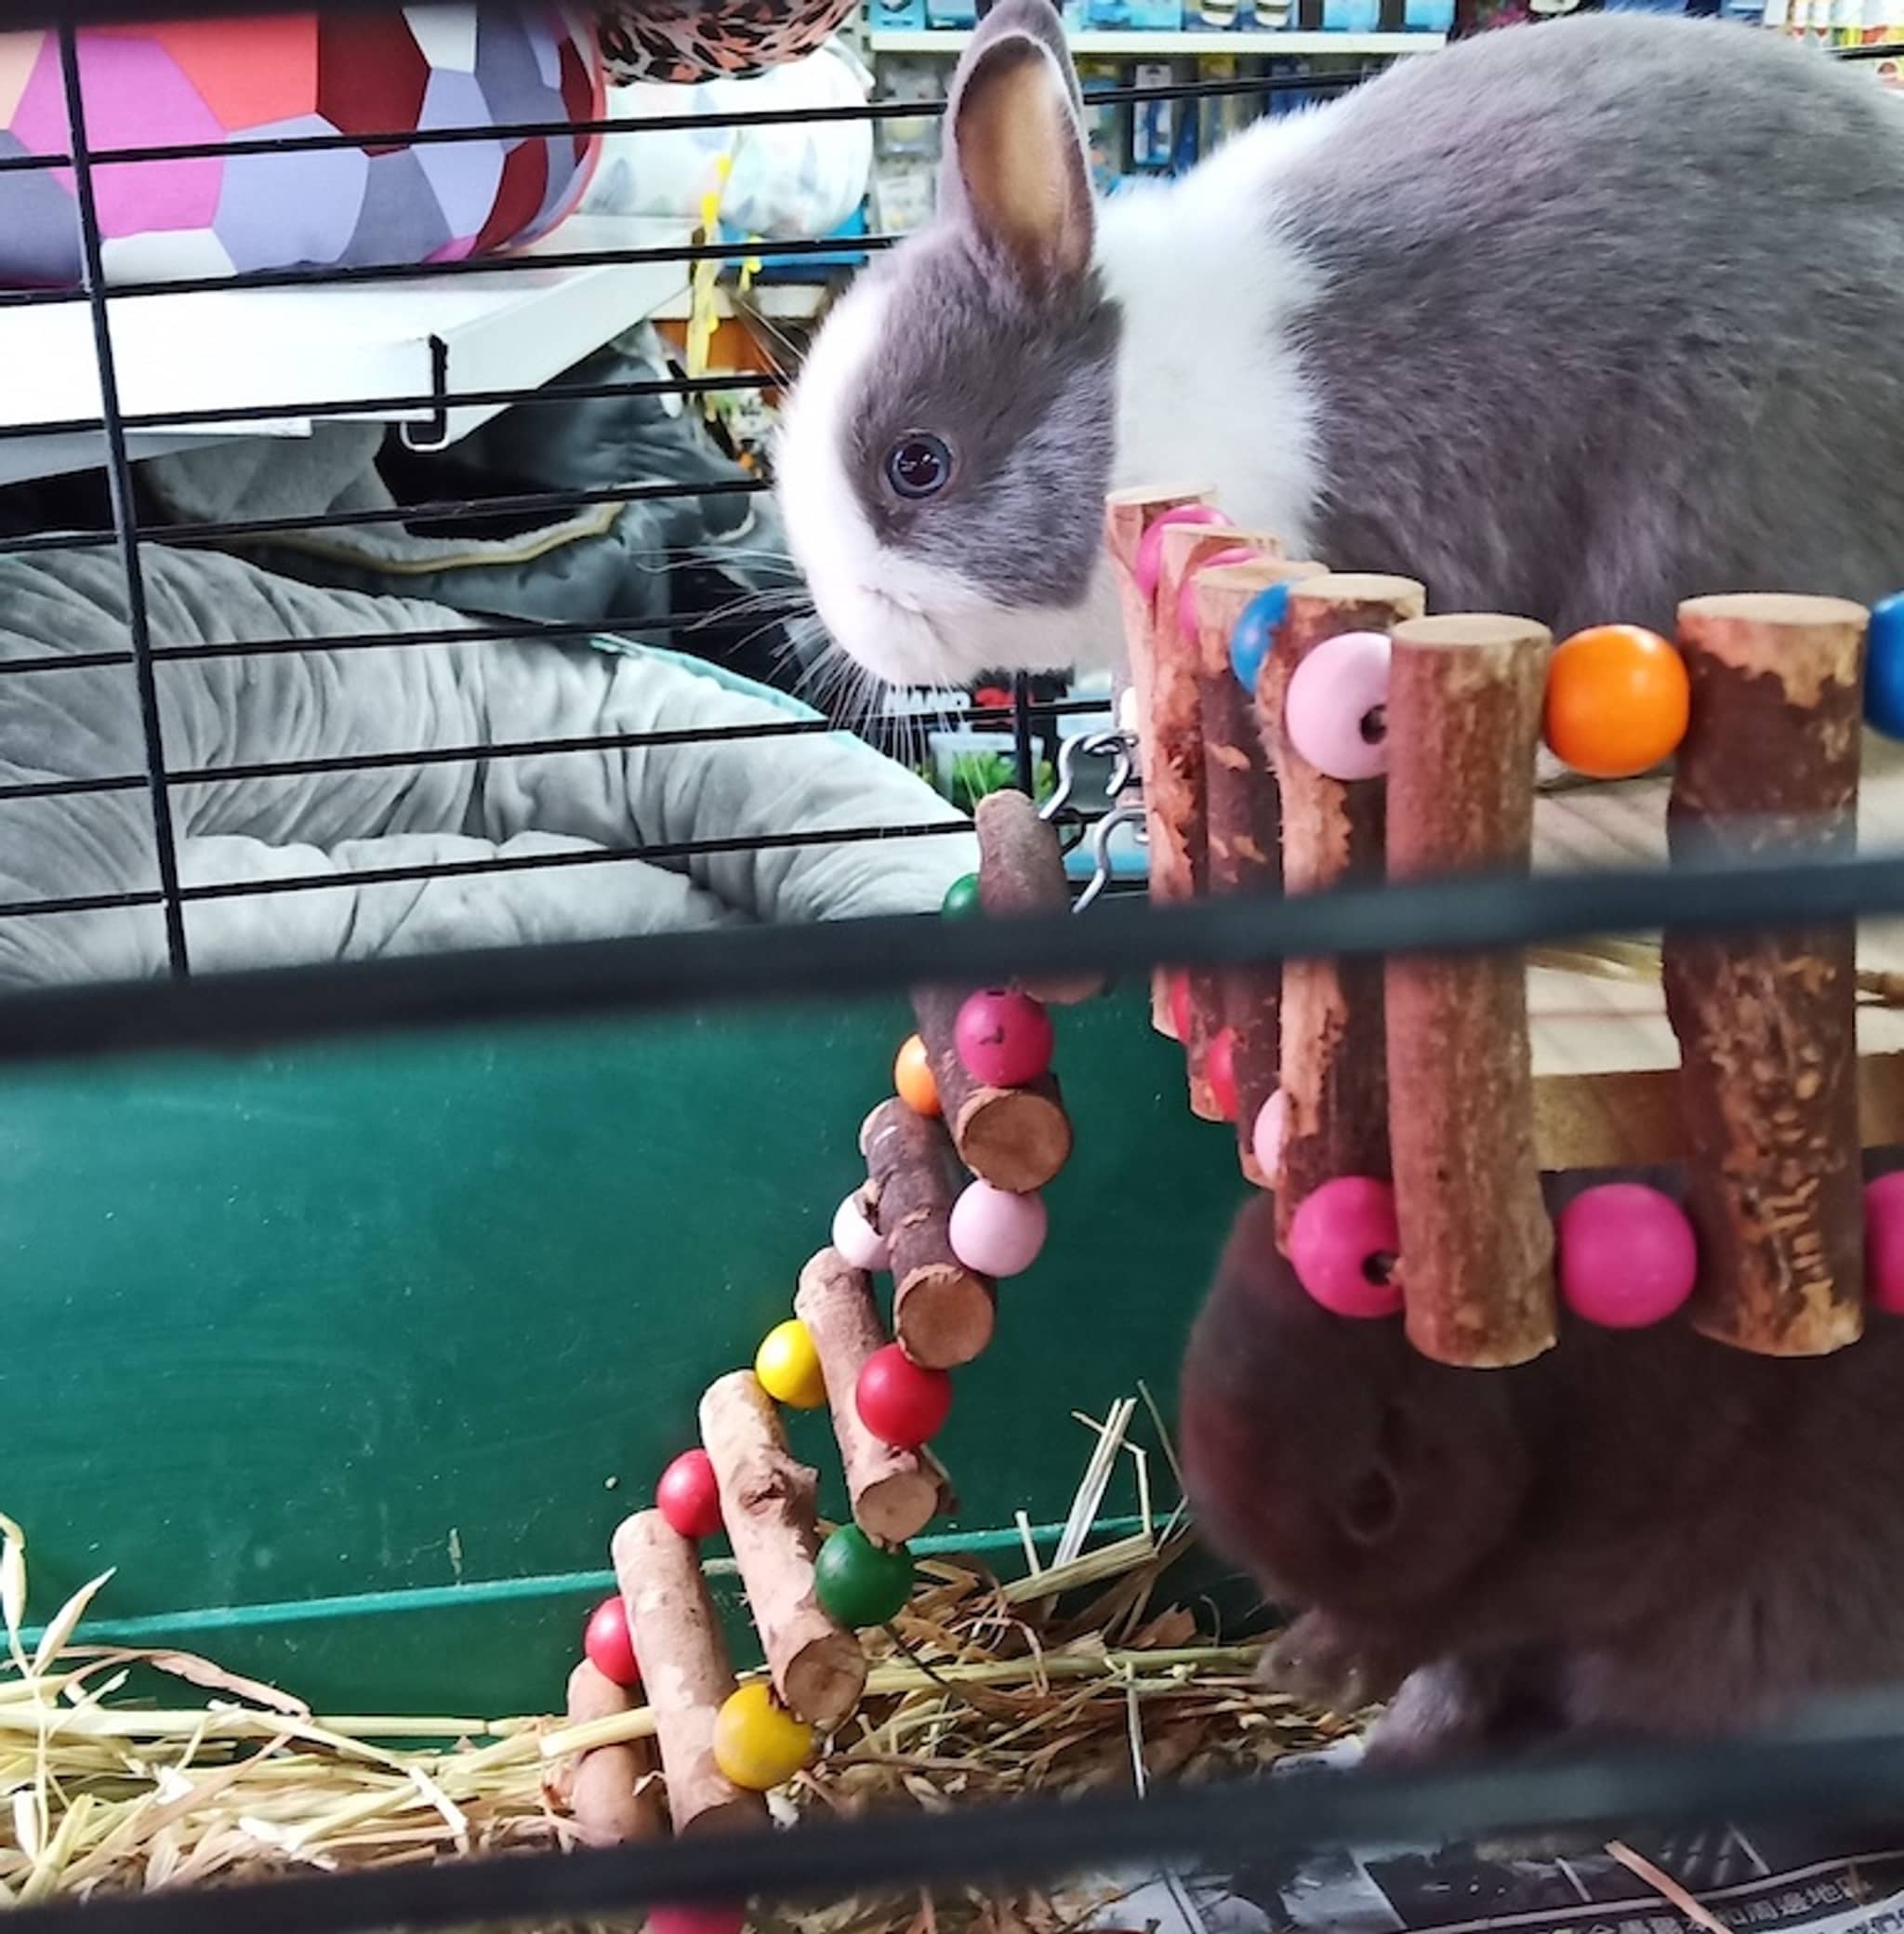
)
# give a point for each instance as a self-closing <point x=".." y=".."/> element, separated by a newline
<point x="1344" y="1243"/>
<point x="1884" y="1244"/>
<point x="1618" y="701"/>
<point x="1884" y="669"/>
<point x="900" y="1403"/>
<point x="788" y="1367"/>
<point x="961" y="901"/>
<point x="1186" y="596"/>
<point x="1148" y="564"/>
<point x="996" y="1232"/>
<point x="857" y="1239"/>
<point x="1335" y="707"/>
<point x="861" y="1584"/>
<point x="1220" y="1071"/>
<point x="608" y="1647"/>
<point x="1626" y="1255"/>
<point x="1266" y="1137"/>
<point x="688" y="1496"/>
<point x="1254" y="637"/>
<point x="1180" y="1005"/>
<point x="757" y="1743"/>
<point x="1003" y="1038"/>
<point x="912" y="1078"/>
<point x="694" y="1920"/>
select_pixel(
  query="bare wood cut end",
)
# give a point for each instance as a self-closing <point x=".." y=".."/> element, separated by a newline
<point x="613" y="1794"/>
<point x="1021" y="871"/>
<point x="894" y="1493"/>
<point x="1464" y="710"/>
<point x="1015" y="1138"/>
<point x="769" y="1502"/>
<point x="1128" y="514"/>
<point x="685" y="1673"/>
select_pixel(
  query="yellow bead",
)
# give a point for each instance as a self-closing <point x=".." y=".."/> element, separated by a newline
<point x="788" y="1367"/>
<point x="757" y="1742"/>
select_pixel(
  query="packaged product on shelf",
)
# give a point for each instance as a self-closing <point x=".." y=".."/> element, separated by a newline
<point x="1143" y="15"/>
<point x="906" y="149"/>
<point x="893" y="15"/>
<point x="951" y="13"/>
<point x="1428" y="16"/>
<point x="1211" y="16"/>
<point x="1351" y="16"/>
<point x="1106" y="125"/>
<point x="1153" y="123"/>
<point x="1291" y="99"/>
<point x="1222" y="116"/>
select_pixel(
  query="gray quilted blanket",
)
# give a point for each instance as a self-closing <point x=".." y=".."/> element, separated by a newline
<point x="76" y="719"/>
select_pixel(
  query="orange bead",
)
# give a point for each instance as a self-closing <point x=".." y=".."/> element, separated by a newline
<point x="912" y="1075"/>
<point x="1618" y="699"/>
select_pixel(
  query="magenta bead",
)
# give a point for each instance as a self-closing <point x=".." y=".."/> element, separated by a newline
<point x="1266" y="1137"/>
<point x="1003" y="1038"/>
<point x="1884" y="1244"/>
<point x="1149" y="563"/>
<point x="1627" y="1254"/>
<point x="996" y="1232"/>
<point x="696" y="1920"/>
<point x="1335" y="710"/>
<point x="1343" y="1242"/>
<point x="858" y="1242"/>
<point x="1186" y="598"/>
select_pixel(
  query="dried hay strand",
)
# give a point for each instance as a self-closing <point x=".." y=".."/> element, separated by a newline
<point x="1071" y="1677"/>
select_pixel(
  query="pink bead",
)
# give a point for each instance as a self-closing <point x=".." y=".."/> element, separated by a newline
<point x="1343" y="1242"/>
<point x="996" y="1232"/>
<point x="696" y="1920"/>
<point x="1335" y="710"/>
<point x="1186" y="598"/>
<point x="1149" y="563"/>
<point x="1266" y="1137"/>
<point x="1003" y="1038"/>
<point x="1627" y="1255"/>
<point x="1220" y="1072"/>
<point x="1884" y="1244"/>
<point x="858" y="1242"/>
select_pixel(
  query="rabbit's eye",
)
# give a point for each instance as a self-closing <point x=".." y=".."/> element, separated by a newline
<point x="918" y="465"/>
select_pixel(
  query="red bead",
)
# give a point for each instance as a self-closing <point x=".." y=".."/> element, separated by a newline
<point x="1884" y="1244"/>
<point x="696" y="1920"/>
<point x="900" y="1403"/>
<point x="1004" y="1039"/>
<point x="1343" y="1242"/>
<point x="1180" y="1005"/>
<point x="688" y="1496"/>
<point x="1220" y="1071"/>
<point x="1627" y="1256"/>
<point x="610" y="1647"/>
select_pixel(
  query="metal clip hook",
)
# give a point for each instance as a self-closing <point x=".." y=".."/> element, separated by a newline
<point x="1101" y="837"/>
<point x="1117" y="747"/>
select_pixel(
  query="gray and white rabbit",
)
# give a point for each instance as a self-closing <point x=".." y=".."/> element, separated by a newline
<point x="1571" y="320"/>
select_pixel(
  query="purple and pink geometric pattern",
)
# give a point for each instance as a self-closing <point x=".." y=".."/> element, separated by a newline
<point x="480" y="65"/>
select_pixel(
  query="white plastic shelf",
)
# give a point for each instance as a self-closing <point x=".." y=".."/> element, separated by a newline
<point x="1163" y="43"/>
<point x="241" y="348"/>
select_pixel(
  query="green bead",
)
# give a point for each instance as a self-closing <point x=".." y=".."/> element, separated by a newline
<point x="961" y="901"/>
<point x="859" y="1583"/>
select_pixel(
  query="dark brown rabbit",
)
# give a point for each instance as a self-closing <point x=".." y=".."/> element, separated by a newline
<point x="1638" y="1532"/>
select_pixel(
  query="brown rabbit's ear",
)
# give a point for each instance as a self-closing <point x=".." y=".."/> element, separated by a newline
<point x="1015" y="172"/>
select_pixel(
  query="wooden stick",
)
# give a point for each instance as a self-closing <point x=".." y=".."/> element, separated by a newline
<point x="1464" y="706"/>
<point x="1334" y="1052"/>
<point x="943" y="1313"/>
<point x="611" y="1792"/>
<point x="1176" y="792"/>
<point x="1127" y="515"/>
<point x="685" y="1671"/>
<point x="895" y="1494"/>
<point x="1015" y="1138"/>
<point x="1245" y="815"/>
<point x="1766" y="1023"/>
<point x="1020" y="869"/>
<point x="769" y="1502"/>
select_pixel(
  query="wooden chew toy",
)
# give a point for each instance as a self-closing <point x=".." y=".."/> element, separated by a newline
<point x="1244" y="813"/>
<point x="1335" y="1048"/>
<point x="943" y="1313"/>
<point x="1765" y="1024"/>
<point x="894" y="1493"/>
<point x="1174" y="765"/>
<point x="1464" y="709"/>
<point x="1127" y="515"/>
<point x="685" y="1671"/>
<point x="1015" y="1138"/>
<point x="610" y="1790"/>
<point x="769" y="1502"/>
<point x="1021" y="871"/>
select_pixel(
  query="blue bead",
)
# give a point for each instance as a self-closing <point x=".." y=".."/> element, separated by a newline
<point x="1255" y="633"/>
<point x="1884" y="671"/>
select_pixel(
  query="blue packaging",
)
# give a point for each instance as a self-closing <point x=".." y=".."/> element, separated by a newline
<point x="891" y="14"/>
<point x="1146" y="15"/>
<point x="951" y="13"/>
<point x="1351" y="16"/>
<point x="1428" y="16"/>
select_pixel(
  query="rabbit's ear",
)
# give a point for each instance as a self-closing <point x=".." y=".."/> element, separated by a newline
<point x="1016" y="175"/>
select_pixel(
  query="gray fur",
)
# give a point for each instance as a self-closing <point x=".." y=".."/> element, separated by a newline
<point x="1614" y="315"/>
